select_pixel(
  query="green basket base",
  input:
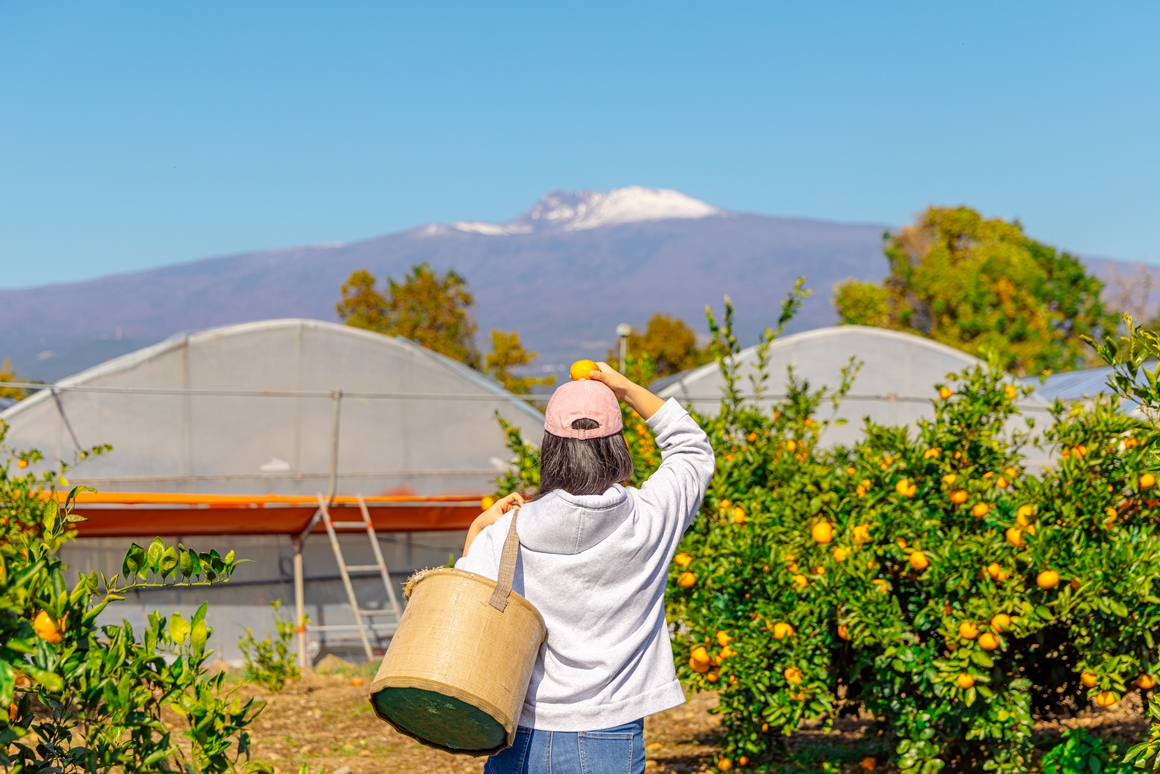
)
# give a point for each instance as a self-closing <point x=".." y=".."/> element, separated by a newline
<point x="441" y="720"/>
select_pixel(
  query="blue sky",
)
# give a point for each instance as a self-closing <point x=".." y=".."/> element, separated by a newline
<point x="139" y="134"/>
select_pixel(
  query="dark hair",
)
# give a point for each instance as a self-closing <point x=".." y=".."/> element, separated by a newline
<point x="584" y="467"/>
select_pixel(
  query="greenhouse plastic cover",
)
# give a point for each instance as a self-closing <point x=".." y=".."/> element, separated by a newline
<point x="248" y="410"/>
<point x="895" y="385"/>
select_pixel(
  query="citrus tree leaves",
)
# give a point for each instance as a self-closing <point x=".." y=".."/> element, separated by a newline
<point x="159" y="562"/>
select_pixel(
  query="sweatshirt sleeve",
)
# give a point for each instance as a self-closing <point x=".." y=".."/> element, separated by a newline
<point x="484" y="555"/>
<point x="687" y="464"/>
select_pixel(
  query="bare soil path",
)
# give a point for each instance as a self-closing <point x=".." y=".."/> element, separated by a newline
<point x="326" y="720"/>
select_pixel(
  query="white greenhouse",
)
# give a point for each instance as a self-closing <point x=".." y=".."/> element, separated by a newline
<point x="251" y="437"/>
<point x="895" y="385"/>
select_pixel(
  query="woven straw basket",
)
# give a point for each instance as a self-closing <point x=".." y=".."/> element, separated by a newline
<point x="457" y="670"/>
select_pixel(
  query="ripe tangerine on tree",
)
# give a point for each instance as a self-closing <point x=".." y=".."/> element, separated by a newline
<point x="22" y="464"/>
<point x="1000" y="622"/>
<point x="1015" y="537"/>
<point x="958" y="497"/>
<point x="687" y="580"/>
<point x="792" y="675"/>
<point x="682" y="560"/>
<point x="868" y="764"/>
<point x="968" y="631"/>
<point x="979" y="510"/>
<point x="724" y="764"/>
<point x="919" y="561"/>
<point x="1048" y="579"/>
<point x="46" y="629"/>
<point x="1147" y="481"/>
<point x="582" y="369"/>
<point x="822" y="532"/>
<point x="1107" y="698"/>
<point x="781" y="630"/>
<point x="945" y="393"/>
<point x="843" y="631"/>
<point x="964" y="680"/>
<point x="988" y="641"/>
<point x="723" y="638"/>
<point x="839" y="554"/>
<point x="1089" y="679"/>
<point x="1146" y="681"/>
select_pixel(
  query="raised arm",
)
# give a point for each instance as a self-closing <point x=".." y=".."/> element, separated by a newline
<point x="638" y="398"/>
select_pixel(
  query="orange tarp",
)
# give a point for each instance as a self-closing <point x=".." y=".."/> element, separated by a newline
<point x="131" y="514"/>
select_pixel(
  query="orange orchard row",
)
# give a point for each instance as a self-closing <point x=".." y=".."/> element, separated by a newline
<point x="822" y="532"/>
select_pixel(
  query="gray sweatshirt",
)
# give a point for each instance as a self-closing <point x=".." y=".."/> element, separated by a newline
<point x="595" y="567"/>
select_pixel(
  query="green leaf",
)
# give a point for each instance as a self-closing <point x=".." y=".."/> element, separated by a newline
<point x="134" y="560"/>
<point x="179" y="628"/>
<point x="981" y="658"/>
<point x="154" y="554"/>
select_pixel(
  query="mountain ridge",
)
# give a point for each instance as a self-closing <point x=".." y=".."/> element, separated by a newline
<point x="564" y="273"/>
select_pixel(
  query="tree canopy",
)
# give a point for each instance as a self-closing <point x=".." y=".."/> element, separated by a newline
<point x="668" y="342"/>
<point x="982" y="285"/>
<point x="433" y="310"/>
<point x="507" y="352"/>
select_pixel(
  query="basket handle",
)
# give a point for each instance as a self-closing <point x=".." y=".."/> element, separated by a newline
<point x="507" y="566"/>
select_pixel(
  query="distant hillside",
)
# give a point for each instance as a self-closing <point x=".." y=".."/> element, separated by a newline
<point x="564" y="274"/>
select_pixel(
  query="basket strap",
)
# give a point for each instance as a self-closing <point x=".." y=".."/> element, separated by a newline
<point x="507" y="567"/>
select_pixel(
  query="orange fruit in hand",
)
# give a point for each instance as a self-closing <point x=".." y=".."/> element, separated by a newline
<point x="964" y="680"/>
<point x="582" y="369"/>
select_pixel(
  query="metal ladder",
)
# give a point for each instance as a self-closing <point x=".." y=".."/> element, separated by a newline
<point x="361" y="615"/>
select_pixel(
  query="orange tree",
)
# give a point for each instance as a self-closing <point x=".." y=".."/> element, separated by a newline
<point x="76" y="696"/>
<point x="924" y="575"/>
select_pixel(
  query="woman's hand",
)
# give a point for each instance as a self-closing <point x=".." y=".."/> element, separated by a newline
<point x="638" y="398"/>
<point x="491" y="516"/>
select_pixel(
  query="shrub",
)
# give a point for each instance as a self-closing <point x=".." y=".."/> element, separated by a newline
<point x="271" y="663"/>
<point x="85" y="698"/>
<point x="1081" y="753"/>
<point x="924" y="576"/>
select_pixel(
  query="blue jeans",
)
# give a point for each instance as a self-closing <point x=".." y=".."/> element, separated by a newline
<point x="618" y="750"/>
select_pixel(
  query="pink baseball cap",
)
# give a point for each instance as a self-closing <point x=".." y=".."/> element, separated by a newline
<point x="583" y="399"/>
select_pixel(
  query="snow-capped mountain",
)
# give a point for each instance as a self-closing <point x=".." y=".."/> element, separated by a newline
<point x="581" y="210"/>
<point x="564" y="274"/>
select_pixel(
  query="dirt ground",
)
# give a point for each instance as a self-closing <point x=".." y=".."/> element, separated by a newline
<point x="326" y="720"/>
